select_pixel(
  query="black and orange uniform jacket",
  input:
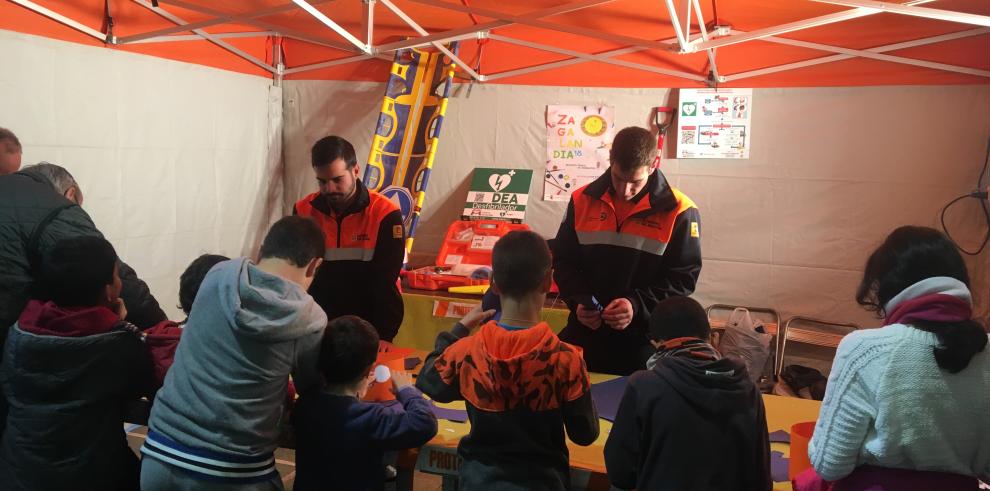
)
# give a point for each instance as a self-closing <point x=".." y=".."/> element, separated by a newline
<point x="522" y="388"/>
<point x="364" y="254"/>
<point x="652" y="254"/>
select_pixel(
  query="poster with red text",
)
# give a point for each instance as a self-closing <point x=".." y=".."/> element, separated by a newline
<point x="578" y="142"/>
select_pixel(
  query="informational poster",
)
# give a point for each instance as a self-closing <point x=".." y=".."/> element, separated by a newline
<point x="578" y="142"/>
<point x="714" y="123"/>
<point x="500" y="194"/>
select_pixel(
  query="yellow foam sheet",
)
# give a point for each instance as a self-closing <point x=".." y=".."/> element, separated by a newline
<point x="419" y="327"/>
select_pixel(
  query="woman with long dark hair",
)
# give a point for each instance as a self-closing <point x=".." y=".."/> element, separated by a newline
<point x="914" y="394"/>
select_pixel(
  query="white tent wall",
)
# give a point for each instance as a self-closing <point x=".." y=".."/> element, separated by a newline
<point x="172" y="157"/>
<point x="832" y="171"/>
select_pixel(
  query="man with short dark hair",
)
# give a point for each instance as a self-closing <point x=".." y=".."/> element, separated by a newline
<point x="252" y="325"/>
<point x="10" y="152"/>
<point x="692" y="419"/>
<point x="70" y="365"/>
<point x="365" y="241"/>
<point x="628" y="241"/>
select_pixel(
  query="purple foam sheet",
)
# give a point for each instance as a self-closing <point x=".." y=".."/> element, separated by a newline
<point x="455" y="415"/>
<point x="607" y="396"/>
<point x="778" y="466"/>
<point x="780" y="436"/>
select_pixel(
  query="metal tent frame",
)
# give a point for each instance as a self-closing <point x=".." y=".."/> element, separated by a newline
<point x="690" y="37"/>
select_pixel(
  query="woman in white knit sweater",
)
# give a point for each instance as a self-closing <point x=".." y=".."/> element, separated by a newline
<point x="914" y="394"/>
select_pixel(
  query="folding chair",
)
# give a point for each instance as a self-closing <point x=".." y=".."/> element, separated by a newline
<point x="806" y="330"/>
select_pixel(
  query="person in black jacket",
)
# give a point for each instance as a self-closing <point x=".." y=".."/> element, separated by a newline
<point x="40" y="205"/>
<point x="628" y="241"/>
<point x="693" y="421"/>
<point x="69" y="366"/>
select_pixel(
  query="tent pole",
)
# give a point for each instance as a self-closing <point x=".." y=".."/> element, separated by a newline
<point x="789" y="27"/>
<point x="209" y="37"/>
<point x="602" y="58"/>
<point x="847" y="54"/>
<point x="368" y="22"/>
<point x="254" y="20"/>
<point x="204" y="23"/>
<point x="277" y="60"/>
<point x="443" y="49"/>
<point x="469" y="32"/>
<point x="714" y="77"/>
<point x="327" y="64"/>
<point x="675" y="21"/>
<point x="576" y="60"/>
<point x="687" y="19"/>
<point x="51" y="14"/>
<point x="527" y="20"/>
<point x="320" y="16"/>
<point x="925" y="12"/>
<point x="194" y="37"/>
<point x="425" y="40"/>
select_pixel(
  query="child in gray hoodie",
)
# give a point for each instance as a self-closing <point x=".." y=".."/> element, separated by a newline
<point x="214" y="424"/>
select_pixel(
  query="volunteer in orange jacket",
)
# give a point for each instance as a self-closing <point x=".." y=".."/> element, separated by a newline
<point x="628" y="241"/>
<point x="365" y="238"/>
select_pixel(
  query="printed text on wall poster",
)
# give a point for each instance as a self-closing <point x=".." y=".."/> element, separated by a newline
<point x="714" y="123"/>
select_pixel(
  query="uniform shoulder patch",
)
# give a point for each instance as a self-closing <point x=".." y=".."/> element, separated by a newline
<point x="397" y="231"/>
<point x="695" y="232"/>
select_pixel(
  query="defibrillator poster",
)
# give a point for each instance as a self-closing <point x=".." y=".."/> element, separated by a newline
<point x="578" y="143"/>
<point x="500" y="194"/>
<point x="714" y="123"/>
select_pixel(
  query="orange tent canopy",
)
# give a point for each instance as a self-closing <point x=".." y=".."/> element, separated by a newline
<point x="523" y="45"/>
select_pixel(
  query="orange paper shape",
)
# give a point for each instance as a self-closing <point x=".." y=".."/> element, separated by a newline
<point x="394" y="359"/>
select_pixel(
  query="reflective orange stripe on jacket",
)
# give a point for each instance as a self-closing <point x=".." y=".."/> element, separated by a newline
<point x="355" y="237"/>
<point x="645" y="229"/>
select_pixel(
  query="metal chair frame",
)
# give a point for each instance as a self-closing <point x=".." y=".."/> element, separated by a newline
<point x="808" y="336"/>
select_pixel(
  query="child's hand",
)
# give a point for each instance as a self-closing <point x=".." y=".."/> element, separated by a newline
<point x="476" y="317"/>
<point x="400" y="380"/>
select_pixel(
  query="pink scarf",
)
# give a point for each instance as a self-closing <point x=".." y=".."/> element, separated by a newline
<point x="937" y="299"/>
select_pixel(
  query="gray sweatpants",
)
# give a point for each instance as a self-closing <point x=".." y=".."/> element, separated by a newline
<point x="159" y="476"/>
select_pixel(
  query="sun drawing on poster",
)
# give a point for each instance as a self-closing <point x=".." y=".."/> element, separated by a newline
<point x="594" y="125"/>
